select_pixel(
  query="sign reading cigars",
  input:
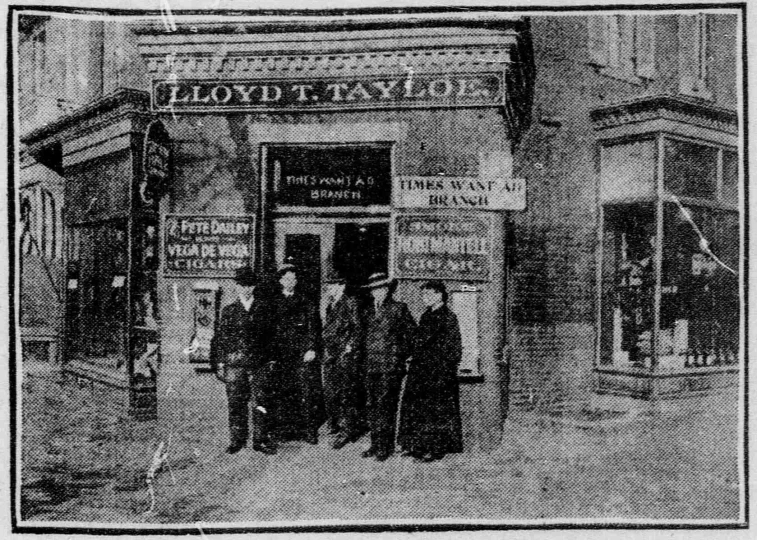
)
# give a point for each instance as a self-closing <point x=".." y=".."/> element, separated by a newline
<point x="397" y="91"/>
<point x="435" y="246"/>
<point x="207" y="245"/>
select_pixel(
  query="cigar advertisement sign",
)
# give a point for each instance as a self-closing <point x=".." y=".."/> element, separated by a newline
<point x="207" y="245"/>
<point x="369" y="91"/>
<point x="440" y="246"/>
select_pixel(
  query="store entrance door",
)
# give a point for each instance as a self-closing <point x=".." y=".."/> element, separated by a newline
<point x="360" y="250"/>
<point x="304" y="250"/>
<point x="322" y="247"/>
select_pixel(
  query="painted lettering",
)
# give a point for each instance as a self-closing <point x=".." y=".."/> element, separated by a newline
<point x="245" y="91"/>
<point x="385" y="87"/>
<point x="336" y="89"/>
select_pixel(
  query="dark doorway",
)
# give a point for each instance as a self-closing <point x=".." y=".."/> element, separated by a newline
<point x="304" y="251"/>
<point x="361" y="250"/>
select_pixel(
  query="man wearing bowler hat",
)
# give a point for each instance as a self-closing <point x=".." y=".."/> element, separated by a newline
<point x="242" y="353"/>
<point x="389" y="330"/>
<point x="342" y="369"/>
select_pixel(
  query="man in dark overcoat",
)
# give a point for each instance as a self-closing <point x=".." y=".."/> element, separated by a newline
<point x="342" y="369"/>
<point x="295" y="390"/>
<point x="389" y="332"/>
<point x="241" y="352"/>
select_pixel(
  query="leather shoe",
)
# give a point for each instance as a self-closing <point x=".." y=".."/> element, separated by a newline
<point x="427" y="458"/>
<point x="311" y="439"/>
<point x="233" y="448"/>
<point x="341" y="441"/>
<point x="264" y="448"/>
<point x="369" y="453"/>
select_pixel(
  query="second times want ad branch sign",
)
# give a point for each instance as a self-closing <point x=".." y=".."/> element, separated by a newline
<point x="389" y="91"/>
<point x="436" y="246"/>
<point x="207" y="246"/>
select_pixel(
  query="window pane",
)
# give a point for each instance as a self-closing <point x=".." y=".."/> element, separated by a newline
<point x="699" y="314"/>
<point x="690" y="169"/>
<point x="628" y="285"/>
<point x="627" y="171"/>
<point x="730" y="177"/>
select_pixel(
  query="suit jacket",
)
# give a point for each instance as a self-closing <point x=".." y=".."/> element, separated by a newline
<point x="342" y="327"/>
<point x="243" y="336"/>
<point x="388" y="339"/>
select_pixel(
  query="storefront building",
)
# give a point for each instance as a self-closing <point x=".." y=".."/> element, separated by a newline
<point x="543" y="168"/>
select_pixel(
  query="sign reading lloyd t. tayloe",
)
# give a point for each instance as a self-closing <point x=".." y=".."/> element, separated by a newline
<point x="437" y="246"/>
<point x="369" y="91"/>
<point x="206" y="245"/>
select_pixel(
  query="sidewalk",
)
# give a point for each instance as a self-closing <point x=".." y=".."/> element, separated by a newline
<point x="82" y="465"/>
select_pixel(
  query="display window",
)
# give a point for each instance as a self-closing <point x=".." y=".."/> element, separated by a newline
<point x="669" y="291"/>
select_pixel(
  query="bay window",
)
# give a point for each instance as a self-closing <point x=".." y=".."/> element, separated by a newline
<point x="669" y="287"/>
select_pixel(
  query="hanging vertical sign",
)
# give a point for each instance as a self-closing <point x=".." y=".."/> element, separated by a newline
<point x="156" y="163"/>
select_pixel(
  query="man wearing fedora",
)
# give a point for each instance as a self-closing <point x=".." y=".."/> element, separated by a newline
<point x="296" y="391"/>
<point x="389" y="331"/>
<point x="342" y="369"/>
<point x="242" y="352"/>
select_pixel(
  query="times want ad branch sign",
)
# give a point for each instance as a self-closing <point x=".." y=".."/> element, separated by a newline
<point x="398" y="91"/>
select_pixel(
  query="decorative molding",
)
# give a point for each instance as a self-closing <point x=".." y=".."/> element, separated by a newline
<point x="236" y="23"/>
<point x="674" y="108"/>
<point x="122" y="102"/>
<point x="204" y="64"/>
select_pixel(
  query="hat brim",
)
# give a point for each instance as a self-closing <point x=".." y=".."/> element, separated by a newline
<point x="377" y="284"/>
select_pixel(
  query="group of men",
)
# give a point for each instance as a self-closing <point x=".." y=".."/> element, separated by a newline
<point x="273" y="350"/>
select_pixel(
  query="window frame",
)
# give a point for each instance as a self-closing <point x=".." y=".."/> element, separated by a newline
<point x="659" y="200"/>
<point x="615" y="46"/>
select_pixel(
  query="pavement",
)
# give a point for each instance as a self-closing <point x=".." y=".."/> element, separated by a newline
<point x="84" y="464"/>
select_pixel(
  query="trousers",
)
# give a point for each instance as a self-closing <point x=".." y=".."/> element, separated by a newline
<point x="343" y="388"/>
<point x="383" y="401"/>
<point x="241" y="389"/>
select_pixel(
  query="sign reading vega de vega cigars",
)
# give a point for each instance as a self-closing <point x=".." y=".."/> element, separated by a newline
<point x="206" y="245"/>
<point x="443" y="246"/>
<point x="397" y="91"/>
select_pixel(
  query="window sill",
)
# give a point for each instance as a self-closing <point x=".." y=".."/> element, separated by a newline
<point x="621" y="75"/>
<point x="671" y="372"/>
<point x="695" y="88"/>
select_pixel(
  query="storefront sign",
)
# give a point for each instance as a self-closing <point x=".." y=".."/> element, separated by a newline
<point x="331" y="176"/>
<point x="433" y="246"/>
<point x="393" y="91"/>
<point x="209" y="246"/>
<point x="460" y="192"/>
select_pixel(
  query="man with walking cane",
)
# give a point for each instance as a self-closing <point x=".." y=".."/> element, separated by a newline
<point x="342" y="365"/>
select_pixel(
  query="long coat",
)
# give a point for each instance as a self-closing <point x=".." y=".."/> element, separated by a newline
<point x="343" y="371"/>
<point x="242" y="339"/>
<point x="430" y="413"/>
<point x="295" y="385"/>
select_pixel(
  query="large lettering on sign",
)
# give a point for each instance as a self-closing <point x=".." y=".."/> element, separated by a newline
<point x="474" y="193"/>
<point x="397" y="91"/>
<point x="207" y="246"/>
<point x="330" y="176"/>
<point x="433" y="246"/>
